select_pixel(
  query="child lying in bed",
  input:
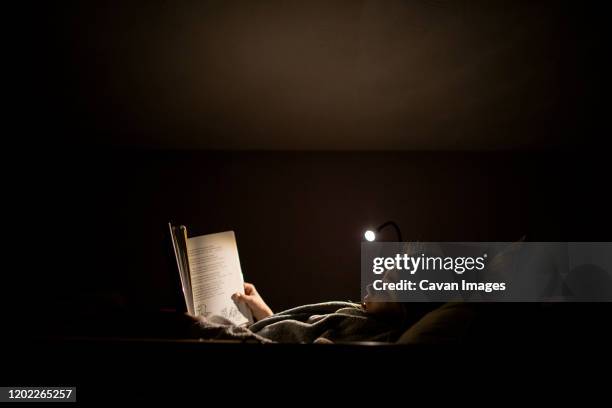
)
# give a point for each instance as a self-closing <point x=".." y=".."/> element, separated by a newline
<point x="369" y="321"/>
<point x="327" y="322"/>
<point x="261" y="310"/>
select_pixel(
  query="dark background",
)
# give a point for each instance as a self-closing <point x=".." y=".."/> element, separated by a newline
<point x="340" y="75"/>
<point x="297" y="125"/>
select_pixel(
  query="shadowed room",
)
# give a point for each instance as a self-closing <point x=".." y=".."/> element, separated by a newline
<point x="298" y="126"/>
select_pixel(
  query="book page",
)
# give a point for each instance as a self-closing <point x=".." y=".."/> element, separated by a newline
<point x="216" y="275"/>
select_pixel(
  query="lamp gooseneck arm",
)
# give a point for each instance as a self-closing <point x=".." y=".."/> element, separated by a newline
<point x="395" y="227"/>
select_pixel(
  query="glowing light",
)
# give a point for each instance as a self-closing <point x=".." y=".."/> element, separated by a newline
<point x="370" y="235"/>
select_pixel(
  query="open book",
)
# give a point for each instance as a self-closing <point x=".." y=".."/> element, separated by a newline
<point x="210" y="274"/>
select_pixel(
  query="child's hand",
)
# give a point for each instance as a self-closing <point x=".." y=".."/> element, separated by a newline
<point x="252" y="299"/>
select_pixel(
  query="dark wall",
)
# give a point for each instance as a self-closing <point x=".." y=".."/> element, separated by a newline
<point x="97" y="220"/>
<point x="315" y="75"/>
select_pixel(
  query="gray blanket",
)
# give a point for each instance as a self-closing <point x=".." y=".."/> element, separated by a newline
<point x="327" y="322"/>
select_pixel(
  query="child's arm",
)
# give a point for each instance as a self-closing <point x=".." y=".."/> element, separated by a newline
<point x="254" y="301"/>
